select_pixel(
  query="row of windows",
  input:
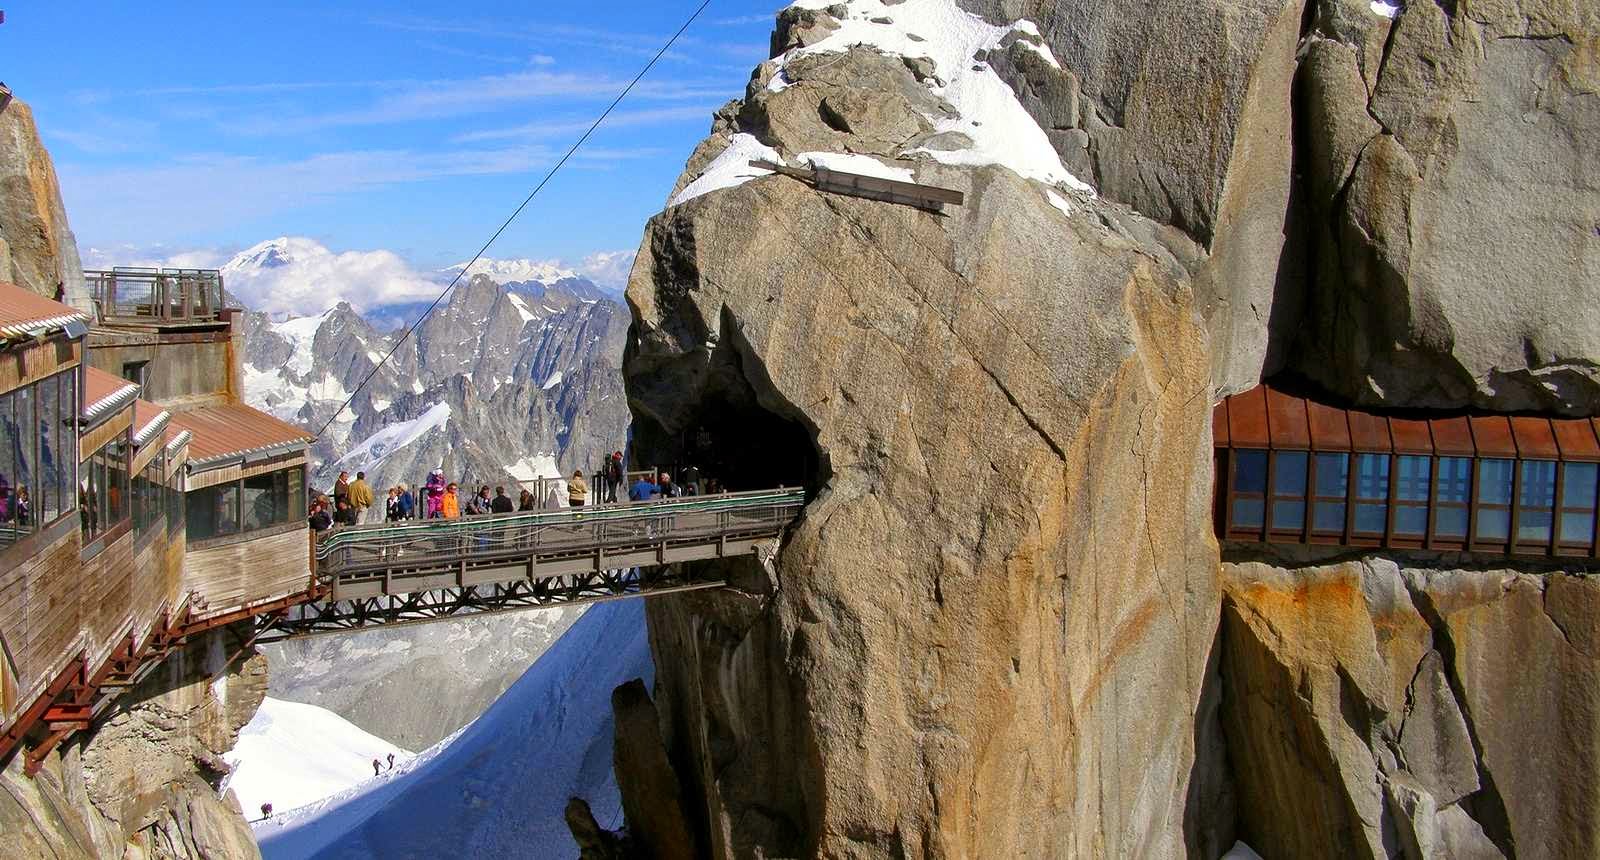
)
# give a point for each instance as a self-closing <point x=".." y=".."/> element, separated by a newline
<point x="246" y="505"/>
<point x="103" y="491"/>
<point x="38" y="445"/>
<point x="1412" y="500"/>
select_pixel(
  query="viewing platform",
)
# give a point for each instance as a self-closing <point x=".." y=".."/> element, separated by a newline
<point x="156" y="297"/>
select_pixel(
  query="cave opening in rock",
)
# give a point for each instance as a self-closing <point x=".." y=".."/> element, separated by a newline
<point x="732" y="425"/>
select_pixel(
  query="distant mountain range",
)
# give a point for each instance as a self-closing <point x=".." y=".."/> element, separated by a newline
<point x="501" y="384"/>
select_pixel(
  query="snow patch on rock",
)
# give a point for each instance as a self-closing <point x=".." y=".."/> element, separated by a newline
<point x="291" y="755"/>
<point x="730" y="169"/>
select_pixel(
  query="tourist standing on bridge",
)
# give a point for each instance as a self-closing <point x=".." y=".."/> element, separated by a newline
<point x="691" y="481"/>
<point x="341" y="488"/>
<point x="450" y="502"/>
<point x="525" y="501"/>
<point x="667" y="489"/>
<point x="361" y="496"/>
<point x="614" y="476"/>
<point x="319" y="519"/>
<point x="406" y="503"/>
<point x="480" y="503"/>
<point x="345" y="515"/>
<point x="643" y="490"/>
<point x="577" y="490"/>
<point x="502" y="502"/>
<point x="434" y="490"/>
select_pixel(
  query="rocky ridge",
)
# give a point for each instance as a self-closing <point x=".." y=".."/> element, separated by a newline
<point x="499" y="384"/>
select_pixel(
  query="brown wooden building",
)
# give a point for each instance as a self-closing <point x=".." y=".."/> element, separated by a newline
<point x="140" y="502"/>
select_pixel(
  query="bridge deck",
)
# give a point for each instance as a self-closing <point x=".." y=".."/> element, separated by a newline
<point x="418" y="570"/>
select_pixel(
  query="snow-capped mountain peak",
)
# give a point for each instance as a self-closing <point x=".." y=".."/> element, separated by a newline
<point x="515" y="271"/>
<point x="273" y="254"/>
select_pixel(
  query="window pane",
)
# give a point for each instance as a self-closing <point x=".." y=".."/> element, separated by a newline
<point x="47" y="501"/>
<point x="88" y="507"/>
<point x="1330" y="516"/>
<point x="1372" y="478"/>
<point x="8" y="445"/>
<point x="67" y="420"/>
<point x="1494" y="482"/>
<point x="1450" y="523"/>
<point x="1533" y="526"/>
<point x="27" y="458"/>
<point x="1371" y="518"/>
<point x="1247" y="513"/>
<point x="1455" y="479"/>
<point x="1538" y="484"/>
<point x="257" y="502"/>
<point x="1250" y="471"/>
<point x="1410" y="520"/>
<point x="1493" y="525"/>
<point x="1333" y="477"/>
<point x="296" y="488"/>
<point x="116" y="483"/>
<point x="1577" y="487"/>
<point x="1289" y="515"/>
<point x="1289" y="474"/>
<point x="1412" y="479"/>
<point x="213" y="511"/>
<point x="1577" y="528"/>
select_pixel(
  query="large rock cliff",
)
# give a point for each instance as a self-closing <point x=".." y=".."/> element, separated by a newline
<point x="1375" y="709"/>
<point x="1001" y="628"/>
<point x="37" y="249"/>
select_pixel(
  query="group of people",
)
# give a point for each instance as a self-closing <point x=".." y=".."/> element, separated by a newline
<point x="442" y="499"/>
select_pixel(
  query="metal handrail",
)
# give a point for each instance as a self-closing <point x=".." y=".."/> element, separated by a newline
<point x="379" y="536"/>
<point x="172" y="295"/>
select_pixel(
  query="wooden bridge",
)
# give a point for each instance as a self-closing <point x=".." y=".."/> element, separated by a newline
<point x="421" y="570"/>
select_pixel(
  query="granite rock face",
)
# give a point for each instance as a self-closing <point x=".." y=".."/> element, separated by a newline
<point x="942" y="659"/>
<point x="1374" y="710"/>
<point x="146" y="782"/>
<point x="1454" y="198"/>
<point x="37" y="249"/>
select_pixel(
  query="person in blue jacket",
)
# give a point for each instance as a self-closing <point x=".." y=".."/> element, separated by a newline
<point x="643" y="490"/>
<point x="406" y="504"/>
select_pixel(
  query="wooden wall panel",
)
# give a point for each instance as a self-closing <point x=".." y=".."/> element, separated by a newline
<point x="18" y="367"/>
<point x="212" y="477"/>
<point x="97" y="438"/>
<point x="236" y="574"/>
<point x="105" y="589"/>
<point x="40" y="634"/>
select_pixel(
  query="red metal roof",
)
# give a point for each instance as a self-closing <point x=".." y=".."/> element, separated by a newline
<point x="104" y="394"/>
<point x="1265" y="417"/>
<point x="25" y="314"/>
<point x="235" y="429"/>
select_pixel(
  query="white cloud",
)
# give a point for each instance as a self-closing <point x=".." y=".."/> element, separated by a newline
<point x="299" y="276"/>
<point x="224" y="190"/>
<point x="608" y="269"/>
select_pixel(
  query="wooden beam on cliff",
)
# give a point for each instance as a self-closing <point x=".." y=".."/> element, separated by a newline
<point x="925" y="197"/>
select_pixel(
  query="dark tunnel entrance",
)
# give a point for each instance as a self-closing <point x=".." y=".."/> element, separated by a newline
<point x="727" y="433"/>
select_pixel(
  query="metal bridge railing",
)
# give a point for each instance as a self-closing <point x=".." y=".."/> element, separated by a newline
<point x="426" y="543"/>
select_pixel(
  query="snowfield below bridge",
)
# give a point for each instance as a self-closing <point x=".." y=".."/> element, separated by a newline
<point x="496" y="788"/>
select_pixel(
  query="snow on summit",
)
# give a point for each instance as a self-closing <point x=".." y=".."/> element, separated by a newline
<point x="515" y="271"/>
<point x="1001" y="130"/>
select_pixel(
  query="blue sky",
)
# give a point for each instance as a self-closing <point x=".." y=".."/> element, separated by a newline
<point x="409" y="127"/>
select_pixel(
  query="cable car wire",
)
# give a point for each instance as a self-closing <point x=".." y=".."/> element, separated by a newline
<point x="518" y="211"/>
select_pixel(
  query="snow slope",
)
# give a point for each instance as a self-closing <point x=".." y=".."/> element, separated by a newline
<point x="395" y="436"/>
<point x="498" y="787"/>
<point x="291" y="754"/>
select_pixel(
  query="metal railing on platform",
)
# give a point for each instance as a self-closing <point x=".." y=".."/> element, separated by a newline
<point x="423" y="543"/>
<point x="133" y="294"/>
